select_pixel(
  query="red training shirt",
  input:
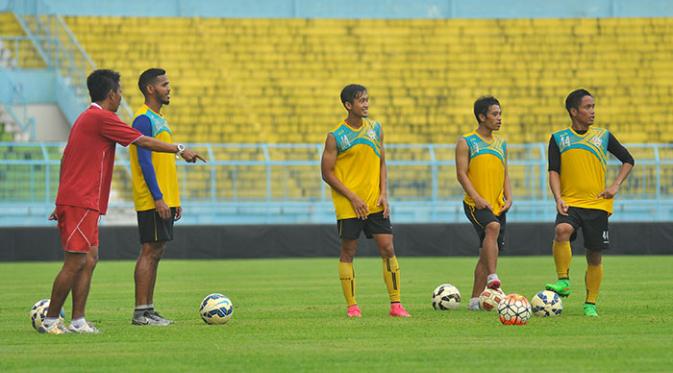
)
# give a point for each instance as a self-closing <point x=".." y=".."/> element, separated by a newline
<point x="88" y="158"/>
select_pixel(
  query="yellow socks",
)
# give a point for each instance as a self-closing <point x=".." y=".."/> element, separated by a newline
<point x="593" y="280"/>
<point x="391" y="275"/>
<point x="562" y="257"/>
<point x="347" y="277"/>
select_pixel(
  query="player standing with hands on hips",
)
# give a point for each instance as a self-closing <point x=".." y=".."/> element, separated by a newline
<point x="578" y="160"/>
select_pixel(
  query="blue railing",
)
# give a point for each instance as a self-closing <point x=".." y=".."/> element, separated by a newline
<point x="281" y="183"/>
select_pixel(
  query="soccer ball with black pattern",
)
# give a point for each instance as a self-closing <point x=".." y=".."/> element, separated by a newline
<point x="39" y="312"/>
<point x="216" y="309"/>
<point x="514" y="310"/>
<point x="490" y="298"/>
<point x="546" y="304"/>
<point x="446" y="297"/>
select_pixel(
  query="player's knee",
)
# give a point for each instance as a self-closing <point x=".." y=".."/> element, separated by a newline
<point x="91" y="261"/>
<point x="563" y="232"/>
<point x="594" y="257"/>
<point x="75" y="263"/>
<point x="91" y="258"/>
<point x="387" y="251"/>
<point x="493" y="229"/>
<point x="153" y="251"/>
<point x="346" y="257"/>
<point x="158" y="251"/>
<point x="348" y="251"/>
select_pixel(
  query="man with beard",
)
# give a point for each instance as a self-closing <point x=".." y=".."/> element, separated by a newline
<point x="155" y="193"/>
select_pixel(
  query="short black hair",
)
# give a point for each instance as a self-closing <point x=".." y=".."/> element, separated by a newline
<point x="147" y="77"/>
<point x="482" y="104"/>
<point x="575" y="97"/>
<point x="352" y="91"/>
<point x="101" y="82"/>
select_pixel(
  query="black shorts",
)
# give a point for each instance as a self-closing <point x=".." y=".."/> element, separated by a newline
<point x="153" y="228"/>
<point x="349" y="229"/>
<point x="481" y="218"/>
<point x="594" y="224"/>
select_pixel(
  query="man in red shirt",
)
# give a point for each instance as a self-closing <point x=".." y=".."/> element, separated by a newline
<point x="83" y="193"/>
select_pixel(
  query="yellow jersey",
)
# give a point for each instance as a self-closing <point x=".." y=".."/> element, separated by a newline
<point x="486" y="169"/>
<point x="584" y="159"/>
<point x="153" y="174"/>
<point x="358" y="166"/>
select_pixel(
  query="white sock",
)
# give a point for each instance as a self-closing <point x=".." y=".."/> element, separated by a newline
<point x="474" y="304"/>
<point x="491" y="277"/>
<point x="78" y="323"/>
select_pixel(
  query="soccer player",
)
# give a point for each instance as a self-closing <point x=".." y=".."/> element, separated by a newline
<point x="155" y="193"/>
<point x="354" y="165"/>
<point x="481" y="169"/>
<point x="578" y="158"/>
<point x="83" y="193"/>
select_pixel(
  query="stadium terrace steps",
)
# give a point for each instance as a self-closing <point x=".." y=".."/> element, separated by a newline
<point x="20" y="52"/>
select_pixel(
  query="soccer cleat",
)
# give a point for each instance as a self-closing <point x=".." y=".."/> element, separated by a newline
<point x="86" y="328"/>
<point x="157" y="316"/>
<point x="54" y="328"/>
<point x="560" y="287"/>
<point x="396" y="310"/>
<point x="147" y="318"/>
<point x="590" y="310"/>
<point x="493" y="283"/>
<point x="354" y="311"/>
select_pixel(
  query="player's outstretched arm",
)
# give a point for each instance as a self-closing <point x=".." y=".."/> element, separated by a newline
<point x="327" y="165"/>
<point x="164" y="147"/>
<point x="462" y="164"/>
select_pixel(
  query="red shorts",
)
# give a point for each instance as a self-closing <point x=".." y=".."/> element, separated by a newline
<point x="78" y="227"/>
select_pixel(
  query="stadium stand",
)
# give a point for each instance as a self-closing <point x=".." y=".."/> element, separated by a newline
<point x="15" y="49"/>
<point x="263" y="81"/>
<point x="260" y="80"/>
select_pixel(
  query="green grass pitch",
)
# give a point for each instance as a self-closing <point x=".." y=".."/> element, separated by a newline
<point x="290" y="316"/>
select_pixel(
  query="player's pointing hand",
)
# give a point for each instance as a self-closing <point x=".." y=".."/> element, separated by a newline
<point x="191" y="156"/>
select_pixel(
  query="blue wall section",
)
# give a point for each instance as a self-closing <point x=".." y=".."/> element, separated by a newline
<point x="39" y="86"/>
<point x="358" y="8"/>
<point x="36" y="86"/>
<point x="535" y="9"/>
<point x="373" y="9"/>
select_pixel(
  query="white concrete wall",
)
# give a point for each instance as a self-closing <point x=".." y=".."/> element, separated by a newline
<point x="50" y="123"/>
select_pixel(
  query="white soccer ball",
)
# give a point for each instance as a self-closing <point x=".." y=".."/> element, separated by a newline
<point x="216" y="309"/>
<point x="514" y="309"/>
<point x="446" y="297"/>
<point x="490" y="298"/>
<point x="546" y="303"/>
<point x="39" y="312"/>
